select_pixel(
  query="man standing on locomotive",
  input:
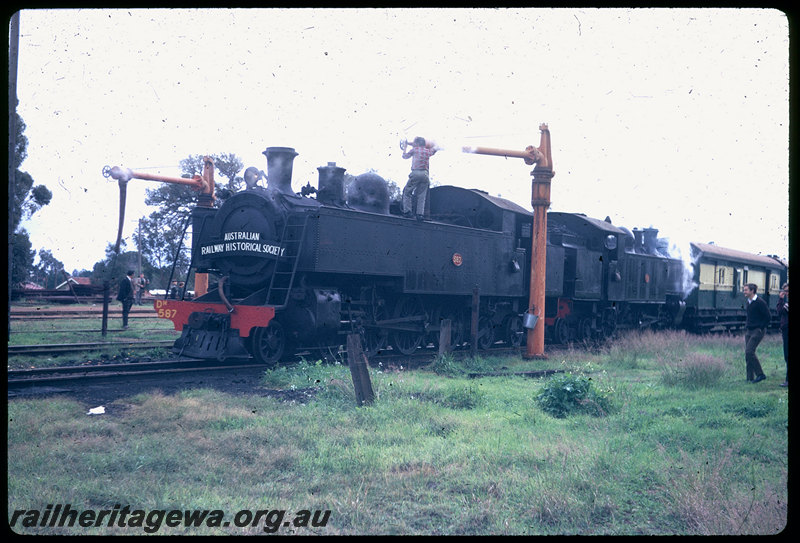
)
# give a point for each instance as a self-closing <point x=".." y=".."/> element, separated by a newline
<point x="416" y="190"/>
<point x="758" y="319"/>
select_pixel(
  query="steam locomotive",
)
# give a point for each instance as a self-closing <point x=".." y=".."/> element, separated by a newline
<point x="295" y="271"/>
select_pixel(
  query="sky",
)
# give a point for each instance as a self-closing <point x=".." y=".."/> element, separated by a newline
<point x="676" y="119"/>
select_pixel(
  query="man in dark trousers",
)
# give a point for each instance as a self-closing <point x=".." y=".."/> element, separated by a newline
<point x="125" y="295"/>
<point x="783" y="313"/>
<point x="758" y="318"/>
<point x="141" y="287"/>
<point x="416" y="189"/>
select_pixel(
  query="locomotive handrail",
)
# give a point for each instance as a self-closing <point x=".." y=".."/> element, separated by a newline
<point x="200" y="279"/>
<point x="221" y="291"/>
<point x="175" y="260"/>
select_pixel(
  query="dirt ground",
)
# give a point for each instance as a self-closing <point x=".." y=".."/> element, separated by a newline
<point x="103" y="392"/>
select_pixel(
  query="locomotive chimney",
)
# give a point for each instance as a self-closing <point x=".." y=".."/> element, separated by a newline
<point x="651" y="240"/>
<point x="331" y="185"/>
<point x="279" y="168"/>
<point x="637" y="240"/>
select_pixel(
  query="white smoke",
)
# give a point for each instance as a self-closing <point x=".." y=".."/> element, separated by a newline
<point x="683" y="252"/>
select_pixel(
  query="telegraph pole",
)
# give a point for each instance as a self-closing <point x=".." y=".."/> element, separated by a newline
<point x="139" y="239"/>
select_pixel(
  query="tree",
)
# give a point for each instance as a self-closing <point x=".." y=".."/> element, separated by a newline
<point x="159" y="245"/>
<point x="50" y="271"/>
<point x="162" y="230"/>
<point x="22" y="258"/>
<point x="175" y="202"/>
<point x="114" y="267"/>
<point x="229" y="165"/>
<point x="395" y="192"/>
<point x="27" y="200"/>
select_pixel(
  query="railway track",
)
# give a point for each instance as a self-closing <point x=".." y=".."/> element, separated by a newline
<point x="49" y="314"/>
<point x="20" y="378"/>
<point x="62" y="374"/>
<point x="21" y="381"/>
<point x="61" y="348"/>
<point x="91" y="331"/>
<point x="389" y="358"/>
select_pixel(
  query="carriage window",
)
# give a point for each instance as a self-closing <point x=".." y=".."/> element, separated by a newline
<point x="721" y="278"/>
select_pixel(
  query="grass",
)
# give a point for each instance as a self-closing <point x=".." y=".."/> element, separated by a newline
<point x="437" y="453"/>
<point x="52" y="331"/>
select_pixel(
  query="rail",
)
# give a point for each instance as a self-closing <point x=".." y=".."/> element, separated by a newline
<point x="60" y="348"/>
<point x="62" y="374"/>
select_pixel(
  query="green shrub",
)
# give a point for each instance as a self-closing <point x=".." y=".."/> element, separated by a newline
<point x="450" y="365"/>
<point x="445" y="364"/>
<point x="567" y="393"/>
